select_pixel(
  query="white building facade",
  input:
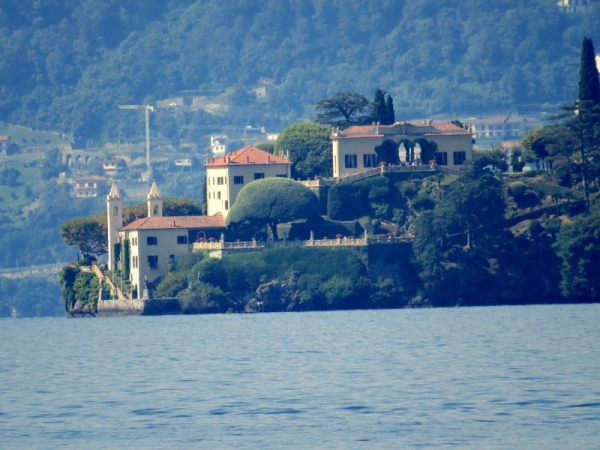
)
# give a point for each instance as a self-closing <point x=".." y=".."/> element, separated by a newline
<point x="226" y="176"/>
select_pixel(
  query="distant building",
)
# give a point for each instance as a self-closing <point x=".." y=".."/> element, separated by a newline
<point x="572" y="6"/>
<point x="501" y="127"/>
<point x="90" y="186"/>
<point x="113" y="166"/>
<point x="184" y="162"/>
<point x="7" y="146"/>
<point x="218" y="144"/>
<point x="226" y="176"/>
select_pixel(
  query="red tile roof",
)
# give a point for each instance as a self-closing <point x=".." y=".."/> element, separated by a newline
<point x="447" y="126"/>
<point x="360" y="129"/>
<point x="247" y="155"/>
<point x="4" y="138"/>
<point x="181" y="222"/>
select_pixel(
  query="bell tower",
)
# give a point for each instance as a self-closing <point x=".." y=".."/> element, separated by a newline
<point x="114" y="216"/>
<point x="155" y="203"/>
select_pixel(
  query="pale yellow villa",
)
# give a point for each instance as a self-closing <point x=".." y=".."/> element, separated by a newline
<point x="354" y="148"/>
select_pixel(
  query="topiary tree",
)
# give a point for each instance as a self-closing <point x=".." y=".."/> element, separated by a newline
<point x="270" y="201"/>
<point x="309" y="149"/>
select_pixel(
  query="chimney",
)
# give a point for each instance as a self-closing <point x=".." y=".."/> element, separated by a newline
<point x="269" y="158"/>
<point x="248" y="159"/>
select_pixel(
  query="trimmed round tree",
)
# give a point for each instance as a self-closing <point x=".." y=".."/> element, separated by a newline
<point x="270" y="201"/>
<point x="309" y="149"/>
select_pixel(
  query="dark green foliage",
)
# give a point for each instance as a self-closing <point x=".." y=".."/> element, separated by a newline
<point x="578" y="245"/>
<point x="177" y="280"/>
<point x="389" y="111"/>
<point x="387" y="152"/>
<point x="379" y="114"/>
<point x="89" y="235"/>
<point x="375" y="197"/>
<point x="29" y="297"/>
<point x="9" y="177"/>
<point x="125" y="259"/>
<point x="79" y="288"/>
<point x="428" y="150"/>
<point x="266" y="146"/>
<point x="589" y="85"/>
<point x="298" y="278"/>
<point x="270" y="201"/>
<point x="309" y="149"/>
<point x="62" y="74"/>
<point x="53" y="165"/>
<point x="343" y="110"/>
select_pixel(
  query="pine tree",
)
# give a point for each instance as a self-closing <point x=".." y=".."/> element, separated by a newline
<point x="389" y="111"/>
<point x="379" y="110"/>
<point x="589" y="85"/>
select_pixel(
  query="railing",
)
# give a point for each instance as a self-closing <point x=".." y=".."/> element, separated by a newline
<point x="338" y="242"/>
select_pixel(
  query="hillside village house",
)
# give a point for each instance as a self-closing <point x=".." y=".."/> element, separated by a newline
<point x="354" y="148"/>
<point x="7" y="146"/>
<point x="154" y="241"/>
<point x="226" y="176"/>
<point x="503" y="127"/>
<point x="90" y="186"/>
<point x="113" y="166"/>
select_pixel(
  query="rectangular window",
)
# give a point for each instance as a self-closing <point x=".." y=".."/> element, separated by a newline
<point x="134" y="262"/>
<point x="219" y="195"/>
<point x="226" y="205"/>
<point x="350" y="161"/>
<point x="151" y="240"/>
<point x="281" y="175"/>
<point x="441" y="158"/>
<point x="370" y="160"/>
<point x="259" y="176"/>
<point x="182" y="239"/>
<point x="153" y="261"/>
<point x="238" y="179"/>
<point x="459" y="158"/>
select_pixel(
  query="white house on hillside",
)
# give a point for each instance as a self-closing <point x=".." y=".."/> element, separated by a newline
<point x="226" y="176"/>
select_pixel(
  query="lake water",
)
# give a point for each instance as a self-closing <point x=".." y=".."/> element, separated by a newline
<point x="482" y="378"/>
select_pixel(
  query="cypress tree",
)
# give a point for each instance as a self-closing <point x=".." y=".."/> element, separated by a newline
<point x="379" y="110"/>
<point x="589" y="85"/>
<point x="389" y="110"/>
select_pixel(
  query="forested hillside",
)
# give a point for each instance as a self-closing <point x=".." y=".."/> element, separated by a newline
<point x="67" y="64"/>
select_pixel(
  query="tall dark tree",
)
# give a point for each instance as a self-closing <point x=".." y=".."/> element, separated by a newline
<point x="379" y="113"/>
<point x="390" y="117"/>
<point x="589" y="85"/>
<point x="343" y="110"/>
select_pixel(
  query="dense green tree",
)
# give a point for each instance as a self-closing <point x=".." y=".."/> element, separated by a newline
<point x="9" y="177"/>
<point x="578" y="245"/>
<point x="389" y="111"/>
<point x="343" y="110"/>
<point x="379" y="113"/>
<point x="308" y="147"/>
<point x="270" y="201"/>
<point x="87" y="234"/>
<point x="589" y="84"/>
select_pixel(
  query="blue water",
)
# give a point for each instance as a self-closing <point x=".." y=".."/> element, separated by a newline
<point x="493" y="378"/>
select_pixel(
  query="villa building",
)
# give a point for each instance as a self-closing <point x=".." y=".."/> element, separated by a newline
<point x="226" y="176"/>
<point x="354" y="148"/>
<point x="90" y="186"/>
<point x="153" y="242"/>
<point x="502" y="127"/>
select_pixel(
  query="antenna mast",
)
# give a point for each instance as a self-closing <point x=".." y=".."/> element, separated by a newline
<point x="147" y="109"/>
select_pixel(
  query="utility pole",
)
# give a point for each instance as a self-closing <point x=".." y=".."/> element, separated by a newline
<point x="147" y="109"/>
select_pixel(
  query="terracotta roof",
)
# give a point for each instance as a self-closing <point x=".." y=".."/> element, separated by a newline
<point x="247" y="155"/>
<point x="181" y="222"/>
<point x="447" y="126"/>
<point x="91" y="178"/>
<point x="4" y="138"/>
<point x="360" y="129"/>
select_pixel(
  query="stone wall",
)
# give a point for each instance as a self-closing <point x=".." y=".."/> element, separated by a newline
<point x="155" y="307"/>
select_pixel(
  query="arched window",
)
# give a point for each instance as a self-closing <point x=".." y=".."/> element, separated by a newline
<point x="116" y="211"/>
<point x="155" y="209"/>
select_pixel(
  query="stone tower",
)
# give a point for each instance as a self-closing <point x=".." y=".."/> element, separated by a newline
<point x="155" y="203"/>
<point x="114" y="220"/>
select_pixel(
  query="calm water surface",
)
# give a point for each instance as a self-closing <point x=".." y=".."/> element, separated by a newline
<point x="485" y="378"/>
